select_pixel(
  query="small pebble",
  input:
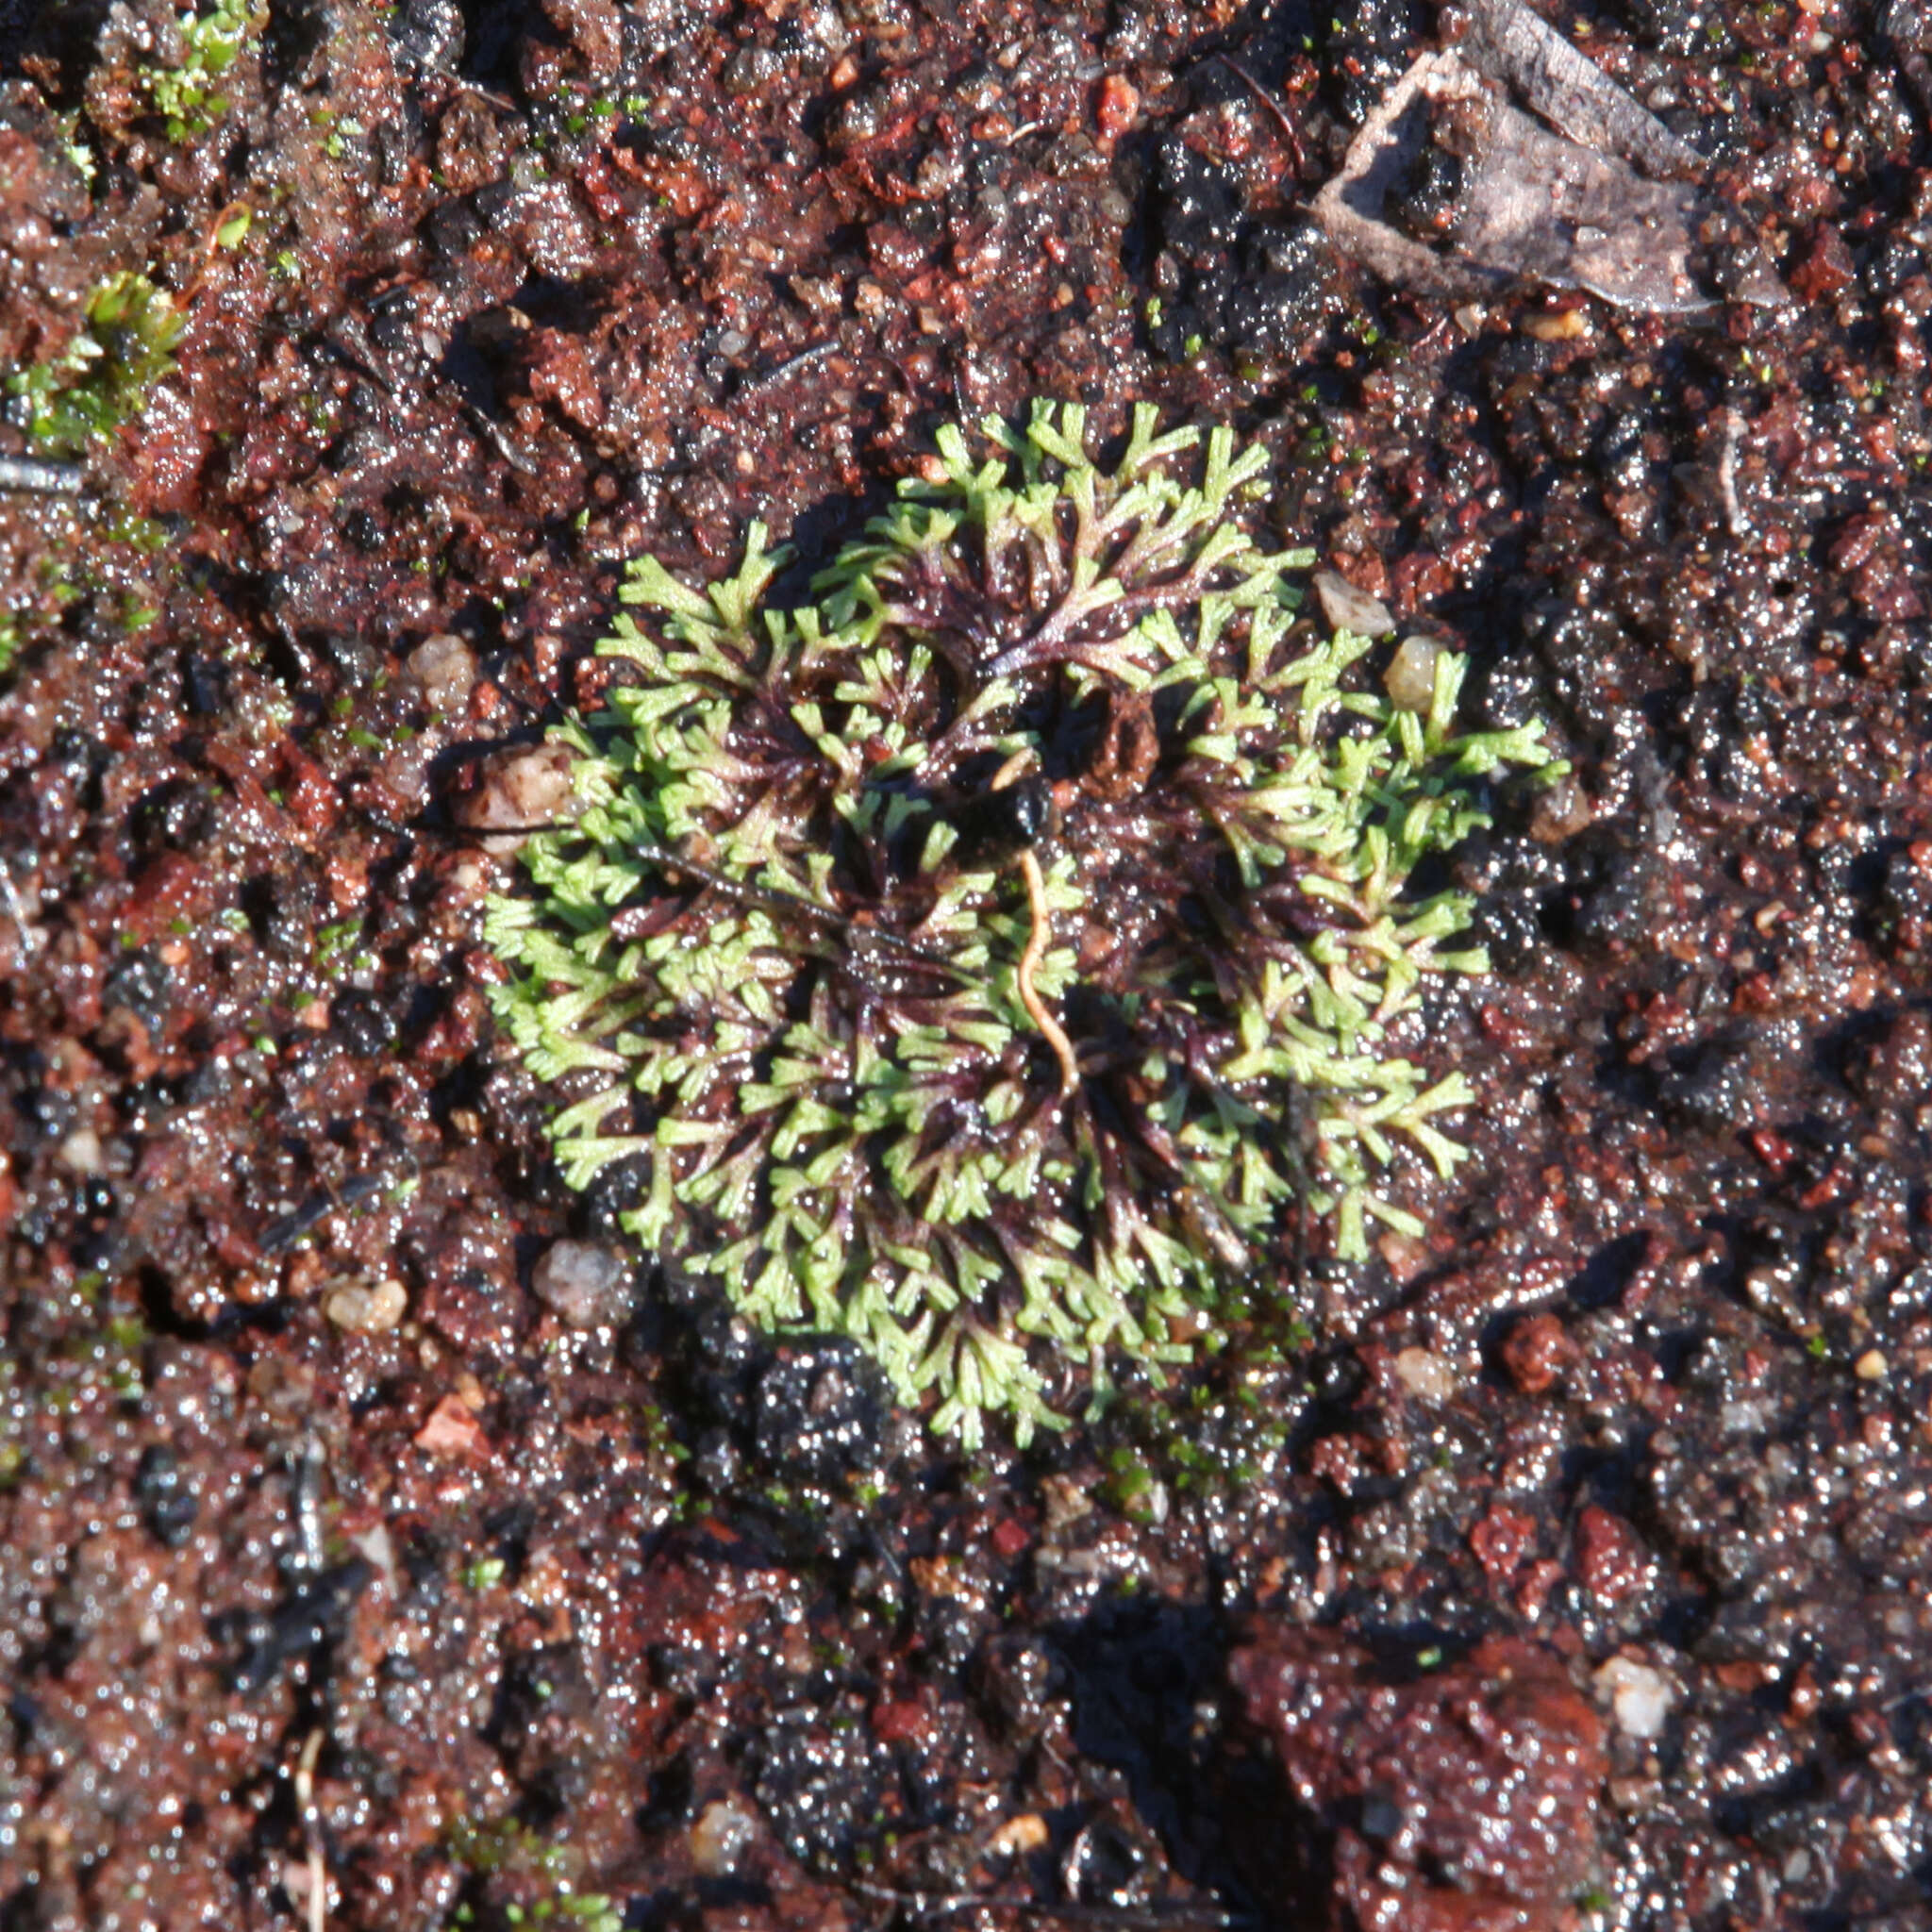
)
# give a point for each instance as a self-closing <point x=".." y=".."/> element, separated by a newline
<point x="1566" y="325"/>
<point x="1559" y="813"/>
<point x="405" y="775"/>
<point x="1639" y="1696"/>
<point x="588" y="1285"/>
<point x="1347" y="609"/>
<point x="378" y="1549"/>
<point x="80" y="1151"/>
<point x="1871" y="1366"/>
<point x="366" y="1308"/>
<point x="1066" y="1501"/>
<point x="718" y="1836"/>
<point x="445" y="667"/>
<point x="1410" y="679"/>
<point x="530" y="787"/>
<point x="1426" y="1377"/>
<point x="1020" y="1836"/>
<point x="451" y="1429"/>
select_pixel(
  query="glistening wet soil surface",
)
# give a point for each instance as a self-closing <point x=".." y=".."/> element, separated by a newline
<point x="370" y="1558"/>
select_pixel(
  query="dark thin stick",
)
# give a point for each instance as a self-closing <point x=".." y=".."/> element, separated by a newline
<point x="1294" y="1148"/>
<point x="772" y="899"/>
<point x="1125" y="1918"/>
<point x="790" y="366"/>
<point x="1273" y="106"/>
<point x="47" y="479"/>
<point x="349" y="342"/>
<point x="311" y="1464"/>
<point x="352" y="344"/>
<point x="497" y="436"/>
<point x="287" y="1230"/>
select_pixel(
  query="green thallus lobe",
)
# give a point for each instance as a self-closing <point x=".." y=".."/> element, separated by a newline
<point x="850" y="1117"/>
<point x="102" y="378"/>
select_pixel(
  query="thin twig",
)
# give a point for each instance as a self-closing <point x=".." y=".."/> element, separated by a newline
<point x="1050" y="643"/>
<point x="501" y="102"/>
<point x="17" y="913"/>
<point x="775" y="900"/>
<point x="1014" y="767"/>
<point x="311" y="1829"/>
<point x="305" y="1486"/>
<point x="1295" y="1158"/>
<point x="1273" y="106"/>
<point x="287" y="1230"/>
<point x="48" y="479"/>
<point x="1727" y="472"/>
<point x="790" y="366"/>
<point x="497" y="436"/>
<point x="1038" y="938"/>
<point x="1029" y="960"/>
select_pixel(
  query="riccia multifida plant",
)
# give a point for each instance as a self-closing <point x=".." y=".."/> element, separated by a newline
<point x="992" y="958"/>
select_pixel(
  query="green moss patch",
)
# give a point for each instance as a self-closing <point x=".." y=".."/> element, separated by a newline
<point x="823" y="1055"/>
<point x="102" y="378"/>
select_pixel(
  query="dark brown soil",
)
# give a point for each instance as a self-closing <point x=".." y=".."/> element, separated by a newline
<point x="366" y="1560"/>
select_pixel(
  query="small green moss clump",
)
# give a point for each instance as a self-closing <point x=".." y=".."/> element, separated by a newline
<point x="993" y="958"/>
<point x="102" y="378"/>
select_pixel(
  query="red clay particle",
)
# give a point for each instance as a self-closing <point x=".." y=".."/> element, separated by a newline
<point x="1610" y="1556"/>
<point x="1120" y="101"/>
<point x="1010" y="1538"/>
<point x="451" y="1430"/>
<point x="1501" y="1541"/>
<point x="1535" y="1351"/>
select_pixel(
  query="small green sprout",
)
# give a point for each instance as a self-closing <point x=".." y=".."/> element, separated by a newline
<point x="338" y="949"/>
<point x="185" y="96"/>
<point x="485" y="1573"/>
<point x="513" y="1852"/>
<point x="999" y="1093"/>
